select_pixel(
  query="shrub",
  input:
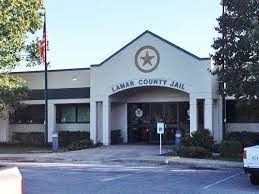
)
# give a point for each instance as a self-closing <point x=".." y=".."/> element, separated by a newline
<point x="98" y="144"/>
<point x="195" y="152"/>
<point x="28" y="138"/>
<point x="216" y="148"/>
<point x="200" y="138"/>
<point x="187" y="140"/>
<point x="82" y="144"/>
<point x="245" y="138"/>
<point x="66" y="138"/>
<point x="230" y="148"/>
<point x="116" y="137"/>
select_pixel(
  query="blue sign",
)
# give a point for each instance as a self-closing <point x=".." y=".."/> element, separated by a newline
<point x="160" y="128"/>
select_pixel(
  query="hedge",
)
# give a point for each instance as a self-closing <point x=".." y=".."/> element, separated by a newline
<point x="245" y="138"/>
<point x="195" y="152"/>
<point x="200" y="138"/>
<point x="82" y="144"/>
<point x="28" y="138"/>
<point x="65" y="138"/>
<point x="230" y="149"/>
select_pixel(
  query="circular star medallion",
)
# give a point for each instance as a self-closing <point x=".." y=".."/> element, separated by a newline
<point x="147" y="59"/>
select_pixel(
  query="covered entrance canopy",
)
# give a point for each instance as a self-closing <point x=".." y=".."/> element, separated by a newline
<point x="145" y="107"/>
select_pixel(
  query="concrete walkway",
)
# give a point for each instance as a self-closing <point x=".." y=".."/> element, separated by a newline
<point x="118" y="153"/>
<point x="115" y="152"/>
<point x="99" y="154"/>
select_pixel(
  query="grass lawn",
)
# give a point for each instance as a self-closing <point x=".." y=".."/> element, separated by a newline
<point x="235" y="159"/>
<point x="17" y="148"/>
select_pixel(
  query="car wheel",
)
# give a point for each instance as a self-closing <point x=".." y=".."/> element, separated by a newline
<point x="254" y="180"/>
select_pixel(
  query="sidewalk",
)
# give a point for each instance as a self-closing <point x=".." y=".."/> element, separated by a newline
<point x="117" y="154"/>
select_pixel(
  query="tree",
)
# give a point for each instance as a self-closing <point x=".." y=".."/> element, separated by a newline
<point x="239" y="49"/>
<point x="12" y="90"/>
<point x="19" y="21"/>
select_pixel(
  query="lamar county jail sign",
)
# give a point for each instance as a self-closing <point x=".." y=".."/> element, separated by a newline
<point x="150" y="82"/>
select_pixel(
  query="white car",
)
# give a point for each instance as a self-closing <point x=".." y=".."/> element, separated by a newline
<point x="11" y="181"/>
<point x="251" y="163"/>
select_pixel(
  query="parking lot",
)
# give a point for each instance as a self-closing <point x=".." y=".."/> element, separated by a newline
<point x="133" y="178"/>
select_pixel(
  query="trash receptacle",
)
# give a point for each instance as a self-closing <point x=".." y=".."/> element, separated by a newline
<point x="55" y="142"/>
<point x="178" y="136"/>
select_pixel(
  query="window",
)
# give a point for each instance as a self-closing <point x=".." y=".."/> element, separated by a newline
<point x="68" y="114"/>
<point x="32" y="114"/>
<point x="171" y="113"/>
<point x="73" y="113"/>
<point x="156" y="112"/>
<point x="184" y="112"/>
<point x="200" y="110"/>
<point x="184" y="116"/>
<point x="83" y="114"/>
<point x="237" y="112"/>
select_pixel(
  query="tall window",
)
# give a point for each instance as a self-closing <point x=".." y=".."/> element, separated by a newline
<point x="170" y="113"/>
<point x="200" y="109"/>
<point x="31" y="114"/>
<point x="73" y="113"/>
<point x="242" y="112"/>
<point x="184" y="116"/>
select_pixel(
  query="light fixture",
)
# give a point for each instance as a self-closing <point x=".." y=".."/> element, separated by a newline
<point x="74" y="78"/>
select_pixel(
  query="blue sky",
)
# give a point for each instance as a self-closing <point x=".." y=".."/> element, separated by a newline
<point x="85" y="32"/>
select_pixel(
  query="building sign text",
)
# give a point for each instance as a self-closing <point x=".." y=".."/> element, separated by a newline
<point x="148" y="82"/>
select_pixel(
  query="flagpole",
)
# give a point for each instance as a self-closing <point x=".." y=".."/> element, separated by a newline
<point x="46" y="83"/>
<point x="223" y="69"/>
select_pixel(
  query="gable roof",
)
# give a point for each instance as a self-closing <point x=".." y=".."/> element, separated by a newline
<point x="159" y="37"/>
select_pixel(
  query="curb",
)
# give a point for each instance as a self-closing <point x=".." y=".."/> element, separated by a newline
<point x="191" y="162"/>
<point x="205" y="163"/>
<point x="194" y="163"/>
<point x="143" y="161"/>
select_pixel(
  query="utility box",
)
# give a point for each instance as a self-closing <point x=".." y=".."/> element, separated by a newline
<point x="55" y="142"/>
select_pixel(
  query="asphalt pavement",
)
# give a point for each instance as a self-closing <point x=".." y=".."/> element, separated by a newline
<point x="133" y="178"/>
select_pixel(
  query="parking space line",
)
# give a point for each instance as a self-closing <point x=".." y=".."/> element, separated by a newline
<point x="221" y="181"/>
<point x="115" y="178"/>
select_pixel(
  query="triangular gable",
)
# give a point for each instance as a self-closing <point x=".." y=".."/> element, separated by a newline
<point x="160" y="38"/>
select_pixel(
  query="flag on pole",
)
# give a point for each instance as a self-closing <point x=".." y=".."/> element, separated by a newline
<point x="44" y="43"/>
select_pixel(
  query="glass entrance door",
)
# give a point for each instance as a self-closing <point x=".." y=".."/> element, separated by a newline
<point x="139" y="122"/>
<point x="142" y="119"/>
<point x="171" y="115"/>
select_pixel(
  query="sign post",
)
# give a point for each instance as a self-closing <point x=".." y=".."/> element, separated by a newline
<point x="160" y="131"/>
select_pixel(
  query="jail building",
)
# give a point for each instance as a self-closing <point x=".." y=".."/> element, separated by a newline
<point x="147" y="81"/>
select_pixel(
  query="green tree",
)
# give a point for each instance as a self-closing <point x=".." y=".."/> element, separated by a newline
<point x="19" y="21"/>
<point x="239" y="48"/>
<point x="255" y="24"/>
<point x="12" y="90"/>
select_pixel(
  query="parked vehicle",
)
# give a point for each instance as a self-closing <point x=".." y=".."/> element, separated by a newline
<point x="11" y="181"/>
<point x="251" y="163"/>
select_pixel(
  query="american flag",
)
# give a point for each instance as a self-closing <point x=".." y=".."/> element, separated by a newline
<point x="44" y="43"/>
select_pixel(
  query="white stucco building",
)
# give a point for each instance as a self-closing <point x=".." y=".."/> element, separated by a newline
<point x="147" y="81"/>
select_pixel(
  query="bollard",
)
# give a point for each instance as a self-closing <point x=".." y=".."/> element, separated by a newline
<point x="178" y="136"/>
<point x="55" y="142"/>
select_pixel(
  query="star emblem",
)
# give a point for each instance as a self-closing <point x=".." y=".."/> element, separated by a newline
<point x="147" y="55"/>
<point x="147" y="59"/>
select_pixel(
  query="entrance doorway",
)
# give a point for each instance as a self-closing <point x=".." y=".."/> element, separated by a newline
<point x="142" y="119"/>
